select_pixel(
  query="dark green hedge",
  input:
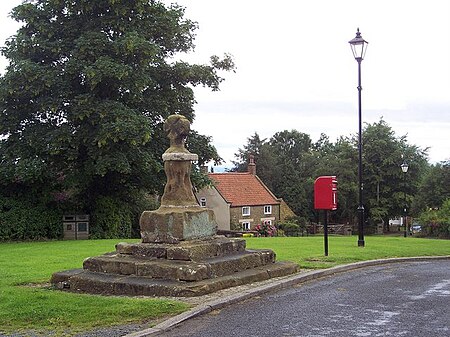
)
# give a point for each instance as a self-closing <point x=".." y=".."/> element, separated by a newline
<point x="25" y="220"/>
<point x="32" y="219"/>
<point x="111" y="219"/>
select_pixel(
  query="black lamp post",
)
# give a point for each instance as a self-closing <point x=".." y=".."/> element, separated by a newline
<point x="359" y="47"/>
<point x="404" y="167"/>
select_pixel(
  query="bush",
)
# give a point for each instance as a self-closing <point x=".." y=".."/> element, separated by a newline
<point x="266" y="229"/>
<point x="294" y="226"/>
<point x="110" y="219"/>
<point x="26" y="220"/>
<point x="436" y="222"/>
<point x="290" y="229"/>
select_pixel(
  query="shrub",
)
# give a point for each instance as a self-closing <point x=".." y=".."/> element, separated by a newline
<point x="290" y="229"/>
<point x="111" y="219"/>
<point x="27" y="220"/>
<point x="436" y="222"/>
<point x="266" y="229"/>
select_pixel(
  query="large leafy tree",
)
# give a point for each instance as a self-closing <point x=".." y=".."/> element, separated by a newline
<point x="252" y="148"/>
<point x="263" y="155"/>
<point x="387" y="190"/>
<point x="293" y="167"/>
<point x="434" y="187"/>
<point x="84" y="97"/>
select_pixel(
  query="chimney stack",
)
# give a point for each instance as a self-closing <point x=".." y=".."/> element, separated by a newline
<point x="251" y="165"/>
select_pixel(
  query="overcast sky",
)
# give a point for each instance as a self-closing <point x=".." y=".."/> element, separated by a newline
<point x="295" y="69"/>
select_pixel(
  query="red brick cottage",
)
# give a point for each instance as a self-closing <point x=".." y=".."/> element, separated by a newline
<point x="240" y="201"/>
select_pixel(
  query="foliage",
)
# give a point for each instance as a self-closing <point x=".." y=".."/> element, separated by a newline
<point x="266" y="229"/>
<point x="339" y="159"/>
<point x="290" y="229"/>
<point x="289" y="162"/>
<point x="201" y="145"/>
<point x="436" y="221"/>
<point x="83" y="99"/>
<point x="111" y="219"/>
<point x="253" y="147"/>
<point x="293" y="170"/>
<point x="387" y="190"/>
<point x="433" y="189"/>
<point x="294" y="226"/>
<point x="22" y="219"/>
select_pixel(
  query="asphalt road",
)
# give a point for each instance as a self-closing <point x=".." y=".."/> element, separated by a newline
<point x="400" y="299"/>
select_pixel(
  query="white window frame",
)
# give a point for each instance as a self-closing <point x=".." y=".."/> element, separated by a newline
<point x="244" y="209"/>
<point x="203" y="202"/>
<point x="268" y="209"/>
<point x="245" y="225"/>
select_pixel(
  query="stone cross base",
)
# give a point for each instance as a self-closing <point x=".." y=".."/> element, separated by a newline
<point x="175" y="224"/>
<point x="189" y="268"/>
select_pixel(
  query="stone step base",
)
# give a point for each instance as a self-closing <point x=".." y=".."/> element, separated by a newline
<point x="86" y="281"/>
<point x="179" y="270"/>
<point x="193" y="250"/>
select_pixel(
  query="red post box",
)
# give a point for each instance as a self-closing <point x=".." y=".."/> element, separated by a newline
<point x="325" y="193"/>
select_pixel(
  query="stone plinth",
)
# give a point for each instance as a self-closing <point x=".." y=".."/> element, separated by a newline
<point x="177" y="223"/>
<point x="79" y="280"/>
<point x="188" y="268"/>
<point x="195" y="250"/>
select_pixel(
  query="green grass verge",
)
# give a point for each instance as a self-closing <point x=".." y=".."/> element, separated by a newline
<point x="27" y="302"/>
<point x="308" y="252"/>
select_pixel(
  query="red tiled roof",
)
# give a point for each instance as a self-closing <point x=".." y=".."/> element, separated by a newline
<point x="243" y="189"/>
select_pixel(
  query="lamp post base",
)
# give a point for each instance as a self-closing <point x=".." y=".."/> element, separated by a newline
<point x="361" y="243"/>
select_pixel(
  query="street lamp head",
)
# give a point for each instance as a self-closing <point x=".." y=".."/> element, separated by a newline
<point x="359" y="46"/>
<point x="404" y="167"/>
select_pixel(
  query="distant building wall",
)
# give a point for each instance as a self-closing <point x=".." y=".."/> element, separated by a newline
<point x="256" y="216"/>
<point x="286" y="212"/>
<point x="214" y="201"/>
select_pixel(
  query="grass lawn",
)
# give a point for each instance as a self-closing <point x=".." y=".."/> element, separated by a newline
<point x="27" y="302"/>
<point x="308" y="252"/>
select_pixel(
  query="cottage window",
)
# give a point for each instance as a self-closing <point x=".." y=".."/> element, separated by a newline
<point x="246" y="210"/>
<point x="203" y="202"/>
<point x="268" y="222"/>
<point x="268" y="209"/>
<point x="246" y="226"/>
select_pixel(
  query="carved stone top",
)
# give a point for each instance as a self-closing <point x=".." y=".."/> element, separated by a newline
<point x="177" y="128"/>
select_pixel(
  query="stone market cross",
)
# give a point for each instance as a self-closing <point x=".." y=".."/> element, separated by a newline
<point x="180" y="254"/>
